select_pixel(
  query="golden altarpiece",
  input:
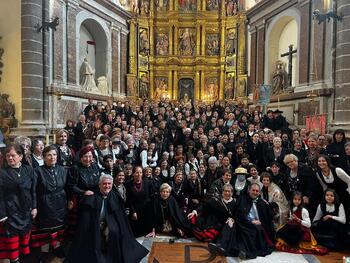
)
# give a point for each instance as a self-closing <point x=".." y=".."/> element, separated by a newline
<point x="187" y="48"/>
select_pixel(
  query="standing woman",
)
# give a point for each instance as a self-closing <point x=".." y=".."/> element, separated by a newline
<point x="139" y="193"/>
<point x="18" y="190"/>
<point x="52" y="205"/>
<point x="82" y="181"/>
<point x="335" y="178"/>
<point x="37" y="153"/>
<point x="65" y="154"/>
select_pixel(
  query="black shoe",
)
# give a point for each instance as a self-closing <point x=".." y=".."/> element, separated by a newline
<point x="216" y="249"/>
<point x="242" y="255"/>
<point x="59" y="252"/>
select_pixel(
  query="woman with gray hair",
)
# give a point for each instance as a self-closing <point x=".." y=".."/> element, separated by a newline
<point x="168" y="218"/>
<point x="214" y="214"/>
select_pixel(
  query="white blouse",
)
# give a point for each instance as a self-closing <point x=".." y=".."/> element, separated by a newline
<point x="330" y="208"/>
<point x="305" y="218"/>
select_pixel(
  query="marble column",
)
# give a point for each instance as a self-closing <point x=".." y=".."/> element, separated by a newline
<point x="342" y="67"/>
<point x="115" y="60"/>
<point x="34" y="48"/>
<point x="123" y="60"/>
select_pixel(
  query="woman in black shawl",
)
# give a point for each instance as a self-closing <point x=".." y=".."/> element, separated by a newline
<point x="168" y="218"/>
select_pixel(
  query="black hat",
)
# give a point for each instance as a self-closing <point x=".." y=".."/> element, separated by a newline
<point x="278" y="111"/>
<point x="269" y="111"/>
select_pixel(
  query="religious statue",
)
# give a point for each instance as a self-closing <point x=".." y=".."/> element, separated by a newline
<point x="231" y="7"/>
<point x="229" y="91"/>
<point x="7" y="109"/>
<point x="242" y="87"/>
<point x="187" y="101"/>
<point x="144" y="10"/>
<point x="161" y="87"/>
<point x="279" y="77"/>
<point x="132" y="86"/>
<point x="187" y="42"/>
<point x="187" y="5"/>
<point x="134" y="6"/>
<point x="102" y="85"/>
<point x="161" y="5"/>
<point x="144" y="42"/>
<point x="144" y="85"/>
<point x="230" y="46"/>
<point x="162" y="45"/>
<point x="212" y="5"/>
<point x="87" y="77"/>
<point x="212" y="89"/>
<point x="212" y="45"/>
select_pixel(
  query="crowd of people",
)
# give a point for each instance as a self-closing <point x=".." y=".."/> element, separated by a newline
<point x="243" y="181"/>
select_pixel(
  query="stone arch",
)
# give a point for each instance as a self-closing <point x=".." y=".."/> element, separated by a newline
<point x="288" y="20"/>
<point x="101" y="35"/>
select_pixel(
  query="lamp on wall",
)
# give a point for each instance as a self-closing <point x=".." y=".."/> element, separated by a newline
<point x="323" y="17"/>
<point x="46" y="25"/>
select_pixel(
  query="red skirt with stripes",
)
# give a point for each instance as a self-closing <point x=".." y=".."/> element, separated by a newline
<point x="12" y="246"/>
<point x="51" y="236"/>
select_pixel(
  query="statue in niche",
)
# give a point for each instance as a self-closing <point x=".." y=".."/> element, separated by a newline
<point x="134" y="6"/>
<point x="212" y="5"/>
<point x="186" y="88"/>
<point x="213" y="45"/>
<point x="187" y="42"/>
<point x="187" y="5"/>
<point x="231" y="7"/>
<point x="144" y="7"/>
<point x="144" y="42"/>
<point x="162" y="45"/>
<point x="212" y="88"/>
<point x="87" y="77"/>
<point x="160" y="87"/>
<point x="102" y="85"/>
<point x="229" y="87"/>
<point x="279" y="78"/>
<point x="242" y="87"/>
<point x="161" y="5"/>
<point x="144" y="85"/>
<point x="132" y="86"/>
<point x="230" y="47"/>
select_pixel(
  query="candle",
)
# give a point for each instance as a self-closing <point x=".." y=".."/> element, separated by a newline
<point x="47" y="139"/>
<point x="54" y="138"/>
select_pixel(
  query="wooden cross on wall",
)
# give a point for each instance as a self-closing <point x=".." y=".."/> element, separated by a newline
<point x="290" y="65"/>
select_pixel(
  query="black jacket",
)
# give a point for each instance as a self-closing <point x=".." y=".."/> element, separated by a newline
<point x="51" y="196"/>
<point x="18" y="190"/>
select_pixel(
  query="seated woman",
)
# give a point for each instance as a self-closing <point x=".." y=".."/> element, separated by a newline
<point x="213" y="214"/>
<point x="329" y="220"/>
<point x="295" y="236"/>
<point x="168" y="218"/>
<point x="240" y="182"/>
<point x="272" y="194"/>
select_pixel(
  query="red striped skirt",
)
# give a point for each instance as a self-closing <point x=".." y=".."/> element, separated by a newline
<point x="12" y="246"/>
<point x="51" y="236"/>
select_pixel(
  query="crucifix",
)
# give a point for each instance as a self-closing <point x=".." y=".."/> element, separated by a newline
<point x="290" y="65"/>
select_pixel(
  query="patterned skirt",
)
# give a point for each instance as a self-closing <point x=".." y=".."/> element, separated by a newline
<point x="12" y="246"/>
<point x="51" y="236"/>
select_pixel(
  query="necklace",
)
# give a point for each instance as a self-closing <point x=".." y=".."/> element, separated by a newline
<point x="19" y="170"/>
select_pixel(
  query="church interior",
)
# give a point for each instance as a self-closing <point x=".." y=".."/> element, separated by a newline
<point x="291" y="55"/>
<point x="199" y="50"/>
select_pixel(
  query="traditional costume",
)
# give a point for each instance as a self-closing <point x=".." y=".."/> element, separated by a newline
<point x="296" y="237"/>
<point x="254" y="240"/>
<point x="103" y="234"/>
<point x="52" y="206"/>
<point x="17" y="186"/>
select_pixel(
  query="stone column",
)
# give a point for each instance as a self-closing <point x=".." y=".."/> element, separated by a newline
<point x="260" y="55"/>
<point x="115" y="61"/>
<point x="33" y="68"/>
<point x="72" y="11"/>
<point x="197" y="85"/>
<point x="253" y="52"/>
<point x="342" y="68"/>
<point x="123" y="61"/>
<point x="304" y="62"/>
